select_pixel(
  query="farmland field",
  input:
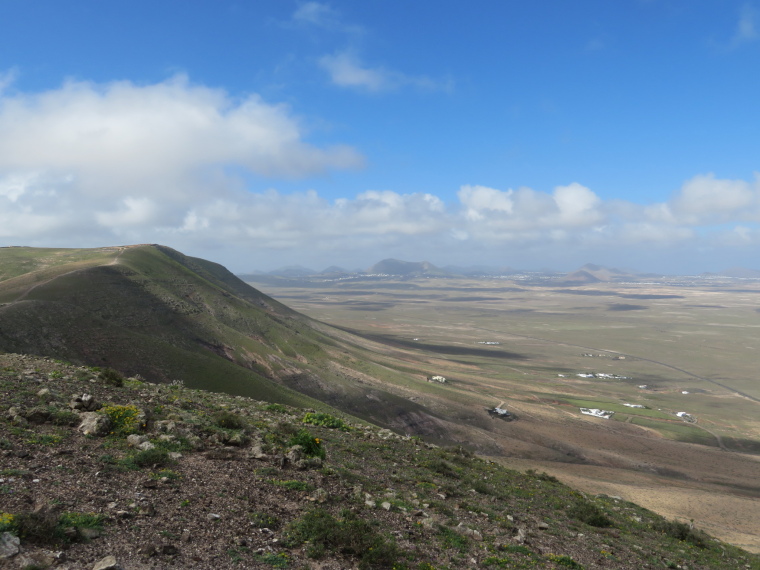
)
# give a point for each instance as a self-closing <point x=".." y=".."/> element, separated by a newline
<point x="688" y="346"/>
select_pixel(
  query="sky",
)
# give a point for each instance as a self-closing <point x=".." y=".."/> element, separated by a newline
<point x="267" y="133"/>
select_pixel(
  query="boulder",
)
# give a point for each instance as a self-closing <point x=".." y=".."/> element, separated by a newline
<point x="95" y="424"/>
<point x="107" y="563"/>
<point x="9" y="545"/>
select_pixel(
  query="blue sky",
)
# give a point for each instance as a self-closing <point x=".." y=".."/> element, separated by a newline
<point x="269" y="133"/>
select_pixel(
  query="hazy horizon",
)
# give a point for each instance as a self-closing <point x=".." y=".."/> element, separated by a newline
<point x="260" y="135"/>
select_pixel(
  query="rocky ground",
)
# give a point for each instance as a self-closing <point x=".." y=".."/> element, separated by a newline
<point x="101" y="472"/>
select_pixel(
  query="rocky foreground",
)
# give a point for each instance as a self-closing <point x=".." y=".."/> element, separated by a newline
<point x="98" y="472"/>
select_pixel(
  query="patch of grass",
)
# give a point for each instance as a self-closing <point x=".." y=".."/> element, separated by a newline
<point x="565" y="561"/>
<point x="64" y="418"/>
<point x="45" y="439"/>
<point x="279" y="408"/>
<point x="261" y="519"/>
<point x="293" y="485"/>
<point x="325" y="420"/>
<point x="46" y="526"/>
<point x="452" y="539"/>
<point x="278" y="560"/>
<point x="443" y="467"/>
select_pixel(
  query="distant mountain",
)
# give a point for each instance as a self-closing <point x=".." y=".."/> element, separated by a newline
<point x="479" y="270"/>
<point x="580" y="277"/>
<point x="406" y="268"/>
<point x="741" y="272"/>
<point x="292" y="271"/>
<point x="591" y="273"/>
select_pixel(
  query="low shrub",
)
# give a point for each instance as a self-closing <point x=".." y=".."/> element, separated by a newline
<point x="590" y="514"/>
<point x="228" y="420"/>
<point x="125" y="420"/>
<point x="261" y="519"/>
<point x="312" y="446"/>
<point x="349" y="536"/>
<point x="325" y="420"/>
<point x="111" y="377"/>
<point x="155" y="457"/>
<point x="680" y="531"/>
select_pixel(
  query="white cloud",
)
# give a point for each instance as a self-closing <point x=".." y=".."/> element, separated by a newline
<point x="7" y="79"/>
<point x="121" y="137"/>
<point x="321" y="15"/>
<point x="87" y="165"/>
<point x="345" y="70"/>
<point x="705" y="199"/>
<point x="746" y="27"/>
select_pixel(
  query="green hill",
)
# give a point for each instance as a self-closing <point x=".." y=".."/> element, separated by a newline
<point x="151" y="311"/>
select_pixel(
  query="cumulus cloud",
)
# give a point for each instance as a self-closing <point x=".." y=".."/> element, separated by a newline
<point x="87" y="165"/>
<point x="705" y="199"/>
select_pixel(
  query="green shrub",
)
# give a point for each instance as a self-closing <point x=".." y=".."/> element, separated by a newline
<point x="228" y="420"/>
<point x="150" y="457"/>
<point x="565" y="561"/>
<point x="590" y="514"/>
<point x="325" y="420"/>
<point x="444" y="468"/>
<point x="124" y="419"/>
<point x="680" y="531"/>
<point x="111" y="377"/>
<point x="312" y="446"/>
<point x="261" y="519"/>
<point x="64" y="418"/>
<point x="276" y="408"/>
<point x="349" y="536"/>
<point x="7" y="523"/>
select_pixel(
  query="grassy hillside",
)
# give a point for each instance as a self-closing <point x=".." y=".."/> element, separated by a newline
<point x="184" y="478"/>
<point x="152" y="311"/>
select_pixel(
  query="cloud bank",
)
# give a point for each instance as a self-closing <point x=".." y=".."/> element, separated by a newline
<point x="88" y="165"/>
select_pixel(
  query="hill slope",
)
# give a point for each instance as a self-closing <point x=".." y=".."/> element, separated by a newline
<point x="152" y="311"/>
<point x="191" y="479"/>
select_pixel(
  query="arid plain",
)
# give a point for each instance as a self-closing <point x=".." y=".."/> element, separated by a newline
<point x="543" y="350"/>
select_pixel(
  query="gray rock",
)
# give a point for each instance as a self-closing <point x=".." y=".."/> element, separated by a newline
<point x="84" y="402"/>
<point x="543" y="526"/>
<point x="295" y="454"/>
<point x="135" y="440"/>
<point x="146" y="446"/>
<point x="9" y="545"/>
<point x="107" y="563"/>
<point x="238" y="439"/>
<point x="89" y="533"/>
<point x="94" y="423"/>
<point x="320" y="495"/>
<point x="386" y="505"/>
